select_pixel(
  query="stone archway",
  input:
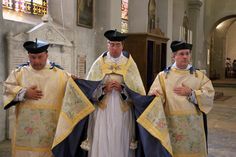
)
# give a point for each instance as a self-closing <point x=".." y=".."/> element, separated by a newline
<point x="217" y="42"/>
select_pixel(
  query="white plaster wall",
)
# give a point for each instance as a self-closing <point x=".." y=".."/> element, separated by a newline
<point x="179" y="6"/>
<point x="138" y="16"/>
<point x="82" y="37"/>
<point x="115" y="14"/>
<point x="84" y="44"/>
<point x="102" y="22"/>
<point x="165" y="15"/>
<point x="63" y="12"/>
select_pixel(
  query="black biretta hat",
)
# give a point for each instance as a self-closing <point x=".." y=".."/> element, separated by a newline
<point x="114" y="35"/>
<point x="36" y="46"/>
<point x="180" y="45"/>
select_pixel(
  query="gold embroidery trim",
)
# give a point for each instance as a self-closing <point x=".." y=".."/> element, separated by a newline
<point x="148" y="125"/>
<point x="82" y="114"/>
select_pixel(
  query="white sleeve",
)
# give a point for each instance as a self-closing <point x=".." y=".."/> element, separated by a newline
<point x="20" y="95"/>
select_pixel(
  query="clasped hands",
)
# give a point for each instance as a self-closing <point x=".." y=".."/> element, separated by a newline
<point x="112" y="85"/>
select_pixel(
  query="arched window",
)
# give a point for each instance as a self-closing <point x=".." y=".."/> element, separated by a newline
<point x="35" y="7"/>
<point x="124" y="16"/>
<point x="27" y="11"/>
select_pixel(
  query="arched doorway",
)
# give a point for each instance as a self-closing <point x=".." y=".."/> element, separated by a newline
<point x="222" y="44"/>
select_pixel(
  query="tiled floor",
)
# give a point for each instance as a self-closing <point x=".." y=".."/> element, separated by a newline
<point x="221" y="127"/>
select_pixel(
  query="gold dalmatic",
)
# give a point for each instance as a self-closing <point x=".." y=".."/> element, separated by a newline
<point x="76" y="106"/>
<point x="36" y="120"/>
<point x="185" y="119"/>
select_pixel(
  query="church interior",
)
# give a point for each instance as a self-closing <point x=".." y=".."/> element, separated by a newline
<point x="75" y="28"/>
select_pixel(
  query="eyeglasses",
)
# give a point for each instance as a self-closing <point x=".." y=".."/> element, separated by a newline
<point x="115" y="44"/>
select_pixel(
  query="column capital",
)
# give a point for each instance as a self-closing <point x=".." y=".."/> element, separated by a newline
<point x="194" y="4"/>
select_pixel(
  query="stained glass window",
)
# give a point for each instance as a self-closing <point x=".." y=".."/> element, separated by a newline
<point x="35" y="7"/>
<point x="124" y="16"/>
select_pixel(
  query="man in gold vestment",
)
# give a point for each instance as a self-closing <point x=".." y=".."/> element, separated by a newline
<point x="113" y="123"/>
<point x="36" y="89"/>
<point x="98" y="115"/>
<point x="187" y="95"/>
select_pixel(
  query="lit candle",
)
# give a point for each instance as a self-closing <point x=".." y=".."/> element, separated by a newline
<point x="188" y="36"/>
<point x="180" y="33"/>
<point x="191" y="39"/>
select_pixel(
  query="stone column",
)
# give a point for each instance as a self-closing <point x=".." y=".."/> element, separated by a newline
<point x="2" y="78"/>
<point x="194" y="7"/>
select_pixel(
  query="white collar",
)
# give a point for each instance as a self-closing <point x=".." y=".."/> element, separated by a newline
<point x="187" y="68"/>
<point x="117" y="59"/>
